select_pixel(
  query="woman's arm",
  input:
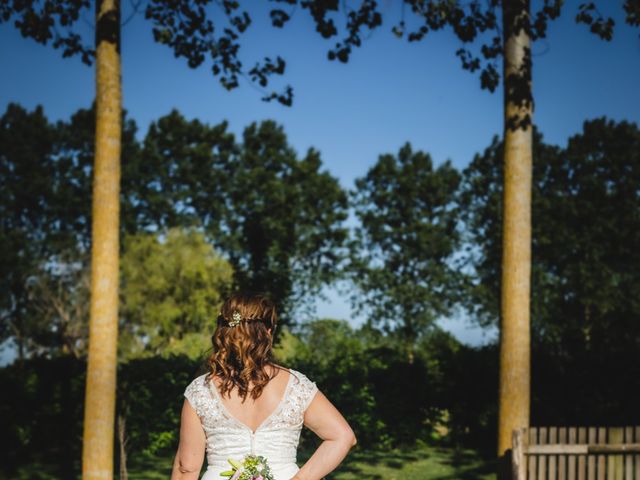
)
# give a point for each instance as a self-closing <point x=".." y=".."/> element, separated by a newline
<point x="338" y="438"/>
<point x="190" y="455"/>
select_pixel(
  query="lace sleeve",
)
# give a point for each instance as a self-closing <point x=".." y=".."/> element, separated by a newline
<point x="307" y="390"/>
<point x="196" y="393"/>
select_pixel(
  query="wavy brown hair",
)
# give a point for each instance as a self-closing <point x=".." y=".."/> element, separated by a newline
<point x="242" y="352"/>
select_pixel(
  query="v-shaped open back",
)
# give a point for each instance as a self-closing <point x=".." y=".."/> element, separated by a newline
<point x="276" y="438"/>
<point x="218" y="396"/>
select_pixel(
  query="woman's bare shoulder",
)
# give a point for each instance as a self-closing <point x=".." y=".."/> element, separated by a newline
<point x="279" y="371"/>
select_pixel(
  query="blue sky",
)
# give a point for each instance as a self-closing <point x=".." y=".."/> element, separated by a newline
<point x="389" y="93"/>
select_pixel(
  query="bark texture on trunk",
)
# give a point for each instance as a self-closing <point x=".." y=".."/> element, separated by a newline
<point x="99" y="413"/>
<point x="514" y="381"/>
<point x="122" y="441"/>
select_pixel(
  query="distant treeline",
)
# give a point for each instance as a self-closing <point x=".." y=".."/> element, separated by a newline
<point x="204" y="213"/>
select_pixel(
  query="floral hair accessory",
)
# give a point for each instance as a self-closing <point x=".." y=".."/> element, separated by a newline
<point x="236" y="318"/>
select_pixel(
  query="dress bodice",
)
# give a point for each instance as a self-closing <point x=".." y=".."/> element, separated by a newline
<point x="276" y="438"/>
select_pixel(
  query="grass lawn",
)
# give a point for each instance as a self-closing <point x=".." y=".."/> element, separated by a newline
<point x="423" y="462"/>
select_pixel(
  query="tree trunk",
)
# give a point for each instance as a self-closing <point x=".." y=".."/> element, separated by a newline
<point x="20" y="340"/>
<point x="122" y="441"/>
<point x="99" y="413"/>
<point x="515" y="345"/>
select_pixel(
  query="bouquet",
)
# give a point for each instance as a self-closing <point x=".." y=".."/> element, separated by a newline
<point x="253" y="467"/>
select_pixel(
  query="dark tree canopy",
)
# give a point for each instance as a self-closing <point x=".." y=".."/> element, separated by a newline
<point x="210" y="31"/>
<point x="181" y="177"/>
<point x="27" y="145"/>
<point x="283" y="225"/>
<point x="585" y="236"/>
<point x="278" y="218"/>
<point x="402" y="261"/>
<point x="45" y="176"/>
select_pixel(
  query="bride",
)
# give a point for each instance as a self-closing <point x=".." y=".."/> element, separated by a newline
<point x="247" y="404"/>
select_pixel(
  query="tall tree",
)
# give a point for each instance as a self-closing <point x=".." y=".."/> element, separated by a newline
<point x="403" y="251"/>
<point x="277" y="217"/>
<point x="481" y="208"/>
<point x="173" y="285"/>
<point x="182" y="179"/>
<point x="284" y="218"/>
<point x="99" y="408"/>
<point x="514" y="396"/>
<point x="27" y="143"/>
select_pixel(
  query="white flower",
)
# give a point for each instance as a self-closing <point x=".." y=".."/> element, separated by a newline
<point x="235" y="319"/>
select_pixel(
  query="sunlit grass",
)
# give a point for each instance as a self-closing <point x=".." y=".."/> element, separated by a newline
<point x="422" y="462"/>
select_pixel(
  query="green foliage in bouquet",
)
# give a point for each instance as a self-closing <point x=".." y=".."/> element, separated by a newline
<point x="253" y="467"/>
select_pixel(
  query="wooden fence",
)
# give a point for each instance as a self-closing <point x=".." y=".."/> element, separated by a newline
<point x="576" y="453"/>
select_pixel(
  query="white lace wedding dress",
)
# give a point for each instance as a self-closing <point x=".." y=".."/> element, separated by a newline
<point x="276" y="438"/>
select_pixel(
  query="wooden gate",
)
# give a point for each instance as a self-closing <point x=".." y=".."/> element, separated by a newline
<point x="576" y="453"/>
